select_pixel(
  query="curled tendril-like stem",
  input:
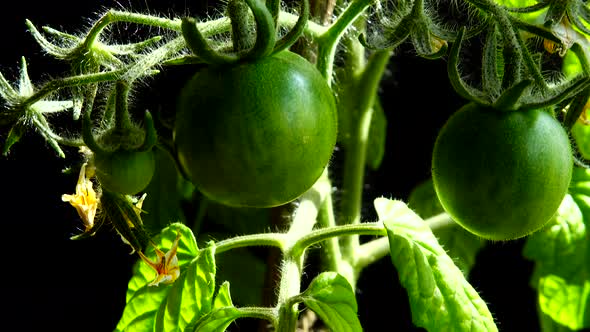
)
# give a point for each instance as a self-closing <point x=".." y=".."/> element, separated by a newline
<point x="263" y="46"/>
<point x="509" y="100"/>
<point x="88" y="136"/>
<point x="458" y="84"/>
<point x="576" y="108"/>
<point x="291" y="37"/>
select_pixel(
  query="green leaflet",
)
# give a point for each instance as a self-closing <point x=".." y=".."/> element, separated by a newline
<point x="221" y="316"/>
<point x="440" y="297"/>
<point x="191" y="296"/>
<point x="461" y="245"/>
<point x="331" y="297"/>
<point x="142" y="300"/>
<point x="561" y="251"/>
<point x="565" y="302"/>
<point x="218" y="320"/>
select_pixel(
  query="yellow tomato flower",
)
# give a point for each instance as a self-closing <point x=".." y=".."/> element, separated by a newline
<point x="84" y="200"/>
<point x="165" y="265"/>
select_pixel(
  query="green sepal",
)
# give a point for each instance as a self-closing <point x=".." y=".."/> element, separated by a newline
<point x="291" y="37"/>
<point x="557" y="94"/>
<point x="556" y="12"/>
<point x="393" y="38"/>
<point x="529" y="9"/>
<point x="200" y="47"/>
<point x="575" y="19"/>
<point x="124" y="216"/>
<point x="151" y="136"/>
<point x="535" y="30"/>
<point x="492" y="63"/>
<point x="242" y="33"/>
<point x="509" y="100"/>
<point x="462" y="88"/>
<point x="14" y="135"/>
<point x="576" y="108"/>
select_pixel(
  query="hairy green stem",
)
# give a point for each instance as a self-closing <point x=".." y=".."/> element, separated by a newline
<point x="329" y="40"/>
<point x="61" y="83"/>
<point x="372" y="251"/>
<point x="46" y="130"/>
<point x="260" y="240"/>
<point x="268" y="314"/>
<point x="323" y="234"/>
<point x="332" y="255"/>
<point x="122" y="119"/>
<point x="304" y="219"/>
<point x="356" y="152"/>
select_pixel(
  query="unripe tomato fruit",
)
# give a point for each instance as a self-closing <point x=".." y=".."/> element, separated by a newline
<point x="501" y="175"/>
<point x="256" y="134"/>
<point x="125" y="172"/>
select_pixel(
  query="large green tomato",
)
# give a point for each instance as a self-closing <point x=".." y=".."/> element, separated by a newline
<point x="125" y="172"/>
<point x="256" y="134"/>
<point x="501" y="175"/>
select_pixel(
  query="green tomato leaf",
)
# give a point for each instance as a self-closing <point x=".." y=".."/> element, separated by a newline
<point x="223" y="313"/>
<point x="191" y="296"/>
<point x="142" y="300"/>
<point x="218" y="320"/>
<point x="440" y="297"/>
<point x="377" y="136"/>
<point x="223" y="299"/>
<point x="461" y="245"/>
<point x="548" y="324"/>
<point x="561" y="251"/>
<point x="331" y="297"/>
<point x="566" y="303"/>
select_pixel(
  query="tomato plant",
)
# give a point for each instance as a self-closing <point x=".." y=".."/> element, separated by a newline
<point x="257" y="133"/>
<point x="241" y="155"/>
<point x="514" y="166"/>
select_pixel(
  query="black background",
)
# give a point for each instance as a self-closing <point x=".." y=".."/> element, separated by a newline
<point x="49" y="281"/>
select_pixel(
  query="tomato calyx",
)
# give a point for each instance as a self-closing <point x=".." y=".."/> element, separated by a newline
<point x="265" y="44"/>
<point x="122" y="153"/>
<point x="503" y="86"/>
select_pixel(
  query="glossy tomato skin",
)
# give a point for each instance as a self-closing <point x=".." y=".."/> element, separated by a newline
<point x="501" y="175"/>
<point x="125" y="172"/>
<point x="256" y="134"/>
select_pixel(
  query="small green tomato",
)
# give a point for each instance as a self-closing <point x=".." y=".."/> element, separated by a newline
<point x="125" y="172"/>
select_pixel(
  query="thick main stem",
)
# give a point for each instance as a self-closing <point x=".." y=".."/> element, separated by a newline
<point x="303" y="222"/>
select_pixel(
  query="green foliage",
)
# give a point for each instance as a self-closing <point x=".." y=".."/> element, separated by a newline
<point x="561" y="252"/>
<point x="142" y="300"/>
<point x="440" y="297"/>
<point x="331" y="297"/>
<point x="256" y="126"/>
